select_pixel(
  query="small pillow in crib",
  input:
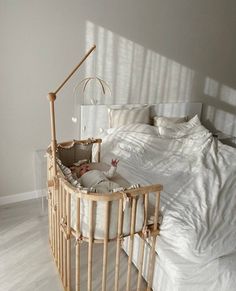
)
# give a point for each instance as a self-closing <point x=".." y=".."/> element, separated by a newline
<point x="80" y="162"/>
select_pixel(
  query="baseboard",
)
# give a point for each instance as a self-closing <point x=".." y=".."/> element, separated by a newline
<point x="22" y="196"/>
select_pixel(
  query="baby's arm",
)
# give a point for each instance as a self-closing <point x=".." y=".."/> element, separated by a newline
<point x="111" y="172"/>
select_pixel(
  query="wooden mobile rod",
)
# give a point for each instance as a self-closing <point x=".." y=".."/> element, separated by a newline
<point x="52" y="98"/>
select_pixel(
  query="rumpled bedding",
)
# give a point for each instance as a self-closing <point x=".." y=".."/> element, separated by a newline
<point x="197" y="243"/>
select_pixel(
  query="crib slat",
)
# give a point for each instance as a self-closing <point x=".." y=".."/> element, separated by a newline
<point x="77" y="249"/>
<point x="53" y="224"/>
<point x="90" y="246"/>
<point x="131" y="241"/>
<point x="140" y="263"/>
<point x="50" y="216"/>
<point x="118" y="246"/>
<point x="68" y="243"/>
<point x="58" y="226"/>
<point x="58" y="222"/>
<point x="52" y="219"/>
<point x="60" y="217"/>
<point x="49" y="202"/>
<point x="105" y="246"/>
<point x="141" y="250"/>
<point x="64" y="277"/>
<point x="153" y="244"/>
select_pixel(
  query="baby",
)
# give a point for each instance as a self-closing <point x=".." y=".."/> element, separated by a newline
<point x="96" y="179"/>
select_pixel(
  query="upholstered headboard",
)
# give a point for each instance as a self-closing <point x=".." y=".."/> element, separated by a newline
<point x="94" y="118"/>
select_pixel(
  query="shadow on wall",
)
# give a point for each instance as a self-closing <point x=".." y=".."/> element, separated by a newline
<point x="139" y="75"/>
<point x="220" y="110"/>
<point x="134" y="73"/>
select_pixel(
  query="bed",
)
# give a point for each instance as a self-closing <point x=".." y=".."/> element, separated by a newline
<point x="196" y="249"/>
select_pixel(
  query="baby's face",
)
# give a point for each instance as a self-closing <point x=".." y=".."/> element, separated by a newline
<point x="83" y="169"/>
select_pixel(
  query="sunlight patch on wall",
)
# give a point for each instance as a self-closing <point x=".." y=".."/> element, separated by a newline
<point x="134" y="73"/>
<point x="222" y="92"/>
<point x="221" y="120"/>
<point x="224" y="97"/>
<point x="211" y="87"/>
<point x="228" y="95"/>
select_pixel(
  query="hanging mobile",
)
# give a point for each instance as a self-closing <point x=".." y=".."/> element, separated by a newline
<point x="92" y="79"/>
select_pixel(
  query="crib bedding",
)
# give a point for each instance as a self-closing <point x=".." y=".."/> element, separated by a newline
<point x="99" y="210"/>
<point x="196" y="245"/>
<point x="99" y="219"/>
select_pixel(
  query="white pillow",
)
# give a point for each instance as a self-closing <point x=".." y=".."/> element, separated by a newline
<point x="177" y="130"/>
<point x="124" y="116"/>
<point x="163" y="120"/>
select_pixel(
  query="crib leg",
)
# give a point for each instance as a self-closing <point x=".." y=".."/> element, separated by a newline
<point x="61" y="235"/>
<point x="77" y="267"/>
<point x="77" y="248"/>
<point x="90" y="247"/>
<point x="64" y="277"/>
<point x="56" y="226"/>
<point x="140" y="264"/>
<point x="118" y="246"/>
<point x="131" y="241"/>
<point x="105" y="246"/>
<point x="154" y="237"/>
<point x="68" y="265"/>
<point x="50" y="216"/>
<point x="151" y="264"/>
<point x="68" y="241"/>
<point x="53" y="222"/>
<point x="142" y="240"/>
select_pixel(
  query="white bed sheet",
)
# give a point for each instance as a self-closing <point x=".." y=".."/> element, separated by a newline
<point x="197" y="242"/>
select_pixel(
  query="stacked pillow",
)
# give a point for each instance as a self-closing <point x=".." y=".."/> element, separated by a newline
<point x="168" y="128"/>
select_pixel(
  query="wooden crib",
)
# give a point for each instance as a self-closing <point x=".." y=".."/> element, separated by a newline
<point x="62" y="234"/>
<point x="68" y="236"/>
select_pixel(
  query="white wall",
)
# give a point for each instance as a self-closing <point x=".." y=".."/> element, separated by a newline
<point x="148" y="51"/>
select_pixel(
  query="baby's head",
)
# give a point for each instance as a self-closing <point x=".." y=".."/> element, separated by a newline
<point x="83" y="169"/>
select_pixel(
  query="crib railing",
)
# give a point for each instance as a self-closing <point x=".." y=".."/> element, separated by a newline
<point x="62" y="233"/>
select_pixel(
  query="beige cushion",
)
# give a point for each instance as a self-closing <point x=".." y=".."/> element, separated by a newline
<point x="124" y="116"/>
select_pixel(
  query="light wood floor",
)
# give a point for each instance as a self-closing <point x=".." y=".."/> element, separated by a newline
<point x="26" y="262"/>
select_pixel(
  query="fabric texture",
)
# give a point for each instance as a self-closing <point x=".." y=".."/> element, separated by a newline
<point x="196" y="247"/>
<point x="124" y="116"/>
<point x="163" y="120"/>
<point x="98" y="181"/>
<point x="94" y="177"/>
<point x="176" y="130"/>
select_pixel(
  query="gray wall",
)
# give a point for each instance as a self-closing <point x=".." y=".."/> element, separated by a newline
<point x="148" y="51"/>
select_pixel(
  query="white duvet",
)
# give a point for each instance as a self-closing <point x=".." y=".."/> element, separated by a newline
<point x="197" y="242"/>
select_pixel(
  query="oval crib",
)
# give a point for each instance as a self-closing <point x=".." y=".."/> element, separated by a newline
<point x="74" y="227"/>
<point x="64" y="235"/>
